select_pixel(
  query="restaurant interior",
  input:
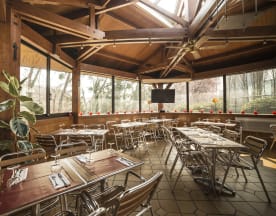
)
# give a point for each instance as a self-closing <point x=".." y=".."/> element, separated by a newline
<point x="138" y="107"/>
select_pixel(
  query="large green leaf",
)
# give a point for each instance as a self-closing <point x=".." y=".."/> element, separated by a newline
<point x="33" y="107"/>
<point x="4" y="86"/>
<point x="4" y="124"/>
<point x="6" y="75"/>
<point x="8" y="104"/>
<point x="20" y="126"/>
<point x="13" y="90"/>
<point x="23" y="98"/>
<point x="15" y="82"/>
<point x="29" y="116"/>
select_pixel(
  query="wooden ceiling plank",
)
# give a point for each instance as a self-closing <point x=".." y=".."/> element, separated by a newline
<point x="37" y="40"/>
<point x="165" y="13"/>
<point x="118" y="58"/>
<point x="193" y="8"/>
<point x="148" y="33"/>
<point x="106" y="70"/>
<point x="249" y="32"/>
<point x="54" y="21"/>
<point x="123" y="19"/>
<point x="184" y="68"/>
<point x="78" y="3"/>
<point x="3" y="11"/>
<point x="152" y="69"/>
<point x="114" y="5"/>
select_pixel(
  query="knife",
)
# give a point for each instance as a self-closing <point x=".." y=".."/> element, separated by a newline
<point x="61" y="178"/>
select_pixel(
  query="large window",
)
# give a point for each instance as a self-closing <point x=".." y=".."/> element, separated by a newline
<point x="60" y="88"/>
<point x="206" y="95"/>
<point x="147" y="106"/>
<point x="33" y="67"/>
<point x="251" y="92"/>
<point x="180" y="103"/>
<point x="126" y="96"/>
<point x="95" y="93"/>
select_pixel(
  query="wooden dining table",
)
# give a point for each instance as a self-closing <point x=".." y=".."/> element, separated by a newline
<point x="37" y="187"/>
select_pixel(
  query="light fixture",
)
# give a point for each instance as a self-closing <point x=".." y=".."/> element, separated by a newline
<point x="81" y="47"/>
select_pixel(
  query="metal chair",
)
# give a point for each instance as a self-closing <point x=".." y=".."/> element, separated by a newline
<point x="72" y="148"/>
<point x="273" y="129"/>
<point x="121" y="200"/>
<point x="255" y="148"/>
<point x="99" y="140"/>
<point x="48" y="142"/>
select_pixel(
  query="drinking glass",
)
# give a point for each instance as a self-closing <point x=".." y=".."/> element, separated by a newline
<point x="14" y="177"/>
<point x="56" y="167"/>
<point x="90" y="150"/>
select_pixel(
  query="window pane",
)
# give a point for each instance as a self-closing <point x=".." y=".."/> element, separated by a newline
<point x="206" y="94"/>
<point x="126" y="96"/>
<point x="147" y="106"/>
<point x="33" y="67"/>
<point x="60" y="88"/>
<point x="252" y="91"/>
<point x="95" y="93"/>
<point x="180" y="98"/>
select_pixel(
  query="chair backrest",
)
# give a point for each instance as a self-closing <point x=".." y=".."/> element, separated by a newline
<point x="256" y="146"/>
<point x="96" y="126"/>
<point x="109" y="124"/>
<point x="273" y="129"/>
<point x="22" y="157"/>
<point x="82" y="138"/>
<point x="230" y="134"/>
<point x="137" y="196"/>
<point x="72" y="148"/>
<point x="214" y="129"/>
<point x="78" y="126"/>
<point x="46" y="140"/>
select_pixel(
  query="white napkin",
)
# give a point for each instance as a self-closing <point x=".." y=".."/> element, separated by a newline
<point x="19" y="176"/>
<point x="125" y="161"/>
<point x="82" y="158"/>
<point x="58" y="180"/>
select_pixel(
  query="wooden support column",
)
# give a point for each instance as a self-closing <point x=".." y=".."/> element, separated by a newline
<point x="10" y="53"/>
<point x="76" y="92"/>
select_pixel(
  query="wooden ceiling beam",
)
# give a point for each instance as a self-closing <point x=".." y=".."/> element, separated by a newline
<point x="79" y="3"/>
<point x="118" y="42"/>
<point x="165" y="13"/>
<point x="152" y="69"/>
<point x="148" y="33"/>
<point x="37" y="40"/>
<point x="184" y="68"/>
<point x="202" y="16"/>
<point x="259" y="65"/>
<point x="193" y="8"/>
<point x="3" y="11"/>
<point x="88" y="53"/>
<point x="53" y="21"/>
<point x="114" y="5"/>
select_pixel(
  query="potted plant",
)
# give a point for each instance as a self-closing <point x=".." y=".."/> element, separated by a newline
<point x="20" y="121"/>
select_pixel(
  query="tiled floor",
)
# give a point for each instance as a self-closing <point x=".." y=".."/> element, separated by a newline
<point x="190" y="199"/>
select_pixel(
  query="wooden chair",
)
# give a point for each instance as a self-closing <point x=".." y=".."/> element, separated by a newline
<point x="255" y="148"/>
<point x="273" y="129"/>
<point x="122" y="200"/>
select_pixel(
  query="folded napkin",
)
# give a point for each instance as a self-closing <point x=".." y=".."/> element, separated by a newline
<point x="125" y="161"/>
<point x="19" y="176"/>
<point x="59" y="180"/>
<point x="82" y="158"/>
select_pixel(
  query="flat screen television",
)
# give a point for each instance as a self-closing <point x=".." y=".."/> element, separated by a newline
<point x="162" y="95"/>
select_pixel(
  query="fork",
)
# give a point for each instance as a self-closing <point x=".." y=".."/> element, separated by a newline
<point x="55" y="181"/>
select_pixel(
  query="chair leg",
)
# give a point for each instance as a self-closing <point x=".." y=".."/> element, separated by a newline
<point x="179" y="174"/>
<point x="167" y="158"/>
<point x="272" y="145"/>
<point x="244" y="175"/>
<point x="261" y="180"/>
<point x="174" y="163"/>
